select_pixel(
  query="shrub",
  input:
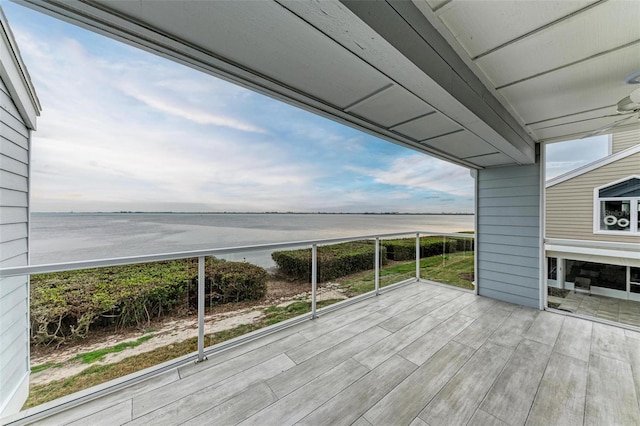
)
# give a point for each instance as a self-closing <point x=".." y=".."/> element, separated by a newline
<point x="66" y="304"/>
<point x="235" y="281"/>
<point x="334" y="261"/>
<point x="465" y="244"/>
<point x="405" y="248"/>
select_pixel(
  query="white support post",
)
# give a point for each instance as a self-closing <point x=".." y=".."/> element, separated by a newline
<point x="444" y="250"/>
<point x="417" y="256"/>
<point x="201" y="356"/>
<point x="314" y="278"/>
<point x="377" y="268"/>
<point x="560" y="276"/>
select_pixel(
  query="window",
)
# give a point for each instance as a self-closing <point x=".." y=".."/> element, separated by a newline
<point x="618" y="207"/>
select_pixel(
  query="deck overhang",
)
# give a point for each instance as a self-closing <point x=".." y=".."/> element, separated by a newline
<point x="379" y="67"/>
<point x="475" y="83"/>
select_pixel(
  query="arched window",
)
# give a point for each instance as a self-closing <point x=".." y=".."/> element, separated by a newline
<point x="617" y="207"/>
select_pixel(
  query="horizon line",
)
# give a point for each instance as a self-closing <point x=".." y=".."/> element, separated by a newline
<point x="241" y="212"/>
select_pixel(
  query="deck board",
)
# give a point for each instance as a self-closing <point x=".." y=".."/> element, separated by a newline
<point x="512" y="394"/>
<point x="408" y="399"/>
<point x="297" y="376"/>
<point x="334" y="338"/>
<point x="150" y="410"/>
<point x="237" y="408"/>
<point x="561" y="396"/>
<point x="461" y="396"/>
<point x="609" y="342"/>
<point x="611" y="396"/>
<point x="482" y="328"/>
<point x="633" y="350"/>
<point x="347" y="406"/>
<point x="545" y="328"/>
<point x="426" y="346"/>
<point x="298" y="404"/>
<point x="513" y="328"/>
<point x="482" y="418"/>
<point x="575" y="338"/>
<point x="387" y="347"/>
<point x="417" y="355"/>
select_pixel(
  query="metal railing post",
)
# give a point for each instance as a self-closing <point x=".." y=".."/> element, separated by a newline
<point x="377" y="269"/>
<point x="201" y="309"/>
<point x="314" y="278"/>
<point x="417" y="256"/>
<point x="444" y="249"/>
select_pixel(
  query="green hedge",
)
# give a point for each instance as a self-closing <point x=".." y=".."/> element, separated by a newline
<point x="405" y="249"/>
<point x="235" y="281"/>
<point x="334" y="261"/>
<point x="67" y="304"/>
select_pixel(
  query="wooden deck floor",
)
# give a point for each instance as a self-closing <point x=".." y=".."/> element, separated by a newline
<point x="418" y="355"/>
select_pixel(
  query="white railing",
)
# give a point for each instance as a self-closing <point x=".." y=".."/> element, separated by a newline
<point x="202" y="254"/>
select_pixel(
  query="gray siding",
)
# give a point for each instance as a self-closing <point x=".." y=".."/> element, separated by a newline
<point x="508" y="234"/>
<point x="14" y="243"/>
<point x="624" y="140"/>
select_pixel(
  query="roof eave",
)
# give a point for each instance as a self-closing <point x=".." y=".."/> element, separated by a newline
<point x="15" y="76"/>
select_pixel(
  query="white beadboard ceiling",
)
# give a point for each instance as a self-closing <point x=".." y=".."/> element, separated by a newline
<point x="476" y="82"/>
<point x="559" y="67"/>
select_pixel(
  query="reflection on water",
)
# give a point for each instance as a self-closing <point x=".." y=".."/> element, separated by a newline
<point x="71" y="237"/>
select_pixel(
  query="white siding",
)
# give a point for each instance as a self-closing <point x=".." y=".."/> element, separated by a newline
<point x="14" y="243"/>
<point x="508" y="234"/>
<point x="569" y="204"/>
<point x="624" y="140"/>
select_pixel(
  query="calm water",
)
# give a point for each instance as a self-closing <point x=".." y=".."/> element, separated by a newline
<point x="70" y="237"/>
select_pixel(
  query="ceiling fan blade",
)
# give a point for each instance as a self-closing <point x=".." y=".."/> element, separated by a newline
<point x="607" y="127"/>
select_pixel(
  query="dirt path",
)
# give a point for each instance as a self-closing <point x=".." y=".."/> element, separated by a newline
<point x="170" y="332"/>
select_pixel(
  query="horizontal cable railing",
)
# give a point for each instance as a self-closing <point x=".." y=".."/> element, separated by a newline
<point x="132" y="260"/>
<point x="202" y="254"/>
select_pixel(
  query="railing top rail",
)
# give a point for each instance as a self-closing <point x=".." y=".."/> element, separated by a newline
<point x="130" y="260"/>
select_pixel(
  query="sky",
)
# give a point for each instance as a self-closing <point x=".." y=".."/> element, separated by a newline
<point x="122" y="129"/>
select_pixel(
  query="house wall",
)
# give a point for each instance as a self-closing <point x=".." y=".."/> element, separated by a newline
<point x="14" y="244"/>
<point x="624" y="140"/>
<point x="19" y="108"/>
<point x="569" y="204"/>
<point x="508" y="234"/>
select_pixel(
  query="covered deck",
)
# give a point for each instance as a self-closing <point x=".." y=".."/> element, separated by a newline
<point x="422" y="354"/>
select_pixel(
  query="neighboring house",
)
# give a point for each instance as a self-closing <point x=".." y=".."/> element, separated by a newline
<point x="597" y="207"/>
<point x="18" y="110"/>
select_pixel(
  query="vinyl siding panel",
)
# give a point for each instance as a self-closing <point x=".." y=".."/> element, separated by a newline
<point x="624" y="140"/>
<point x="12" y="215"/>
<point x="18" y="260"/>
<point x="508" y="234"/>
<point x="14" y="225"/>
<point x="12" y="248"/>
<point x="12" y="150"/>
<point x="507" y="192"/>
<point x="511" y="231"/>
<point x="14" y="166"/>
<point x="569" y="204"/>
<point x="12" y="198"/>
<point x="507" y="259"/>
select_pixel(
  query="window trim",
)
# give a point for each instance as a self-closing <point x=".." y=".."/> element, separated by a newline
<point x="634" y="228"/>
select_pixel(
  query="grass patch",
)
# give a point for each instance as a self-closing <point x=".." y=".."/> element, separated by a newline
<point x="456" y="265"/>
<point x="93" y="356"/>
<point x="456" y="270"/>
<point x="97" y="374"/>
<point x="41" y="367"/>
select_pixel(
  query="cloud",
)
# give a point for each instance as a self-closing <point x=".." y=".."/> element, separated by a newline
<point x="563" y="157"/>
<point x="423" y="172"/>
<point x="122" y="129"/>
<point x="181" y="109"/>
